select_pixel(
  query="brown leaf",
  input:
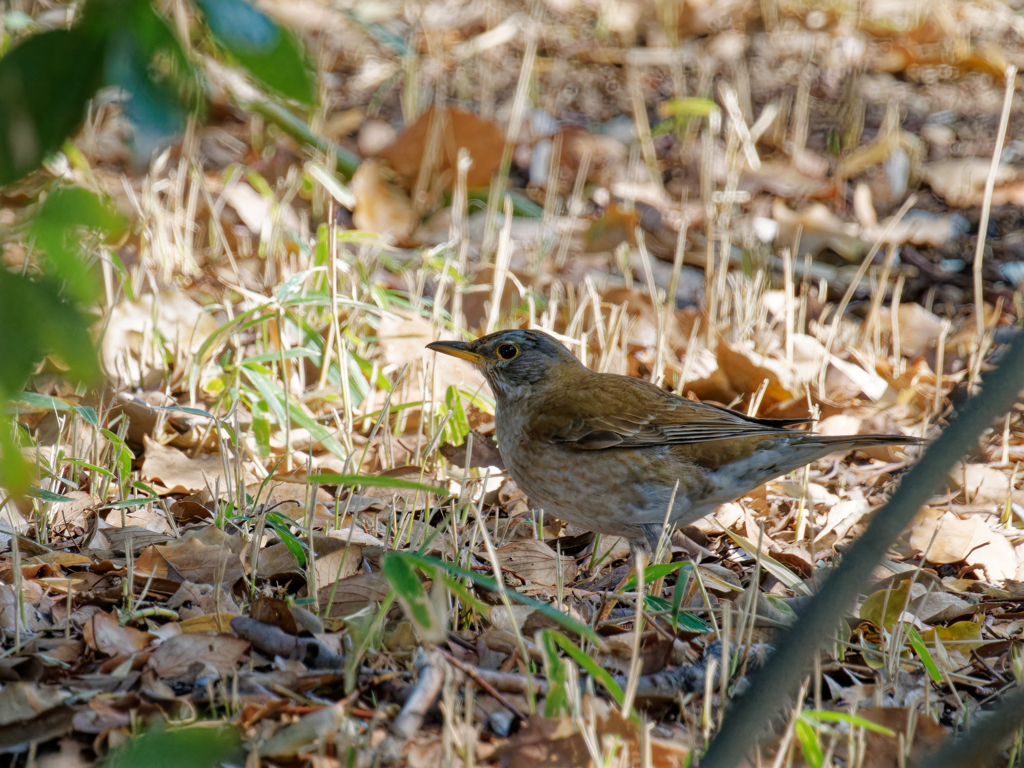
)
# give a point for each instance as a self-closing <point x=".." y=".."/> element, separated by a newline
<point x="883" y="751"/>
<point x="352" y="594"/>
<point x="103" y="633"/>
<point x="169" y="321"/>
<point x="954" y="537"/>
<point x="175" y="656"/>
<point x="179" y="473"/>
<point x="202" y="564"/>
<point x="535" y="561"/>
<point x="460" y="130"/>
<point x="22" y="701"/>
<point x="940" y="607"/>
<point x="268" y="610"/>
<point x="381" y="206"/>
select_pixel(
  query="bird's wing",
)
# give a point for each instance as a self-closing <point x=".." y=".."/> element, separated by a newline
<point x="606" y="411"/>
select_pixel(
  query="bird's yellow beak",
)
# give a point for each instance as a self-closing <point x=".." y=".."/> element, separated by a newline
<point x="457" y="349"/>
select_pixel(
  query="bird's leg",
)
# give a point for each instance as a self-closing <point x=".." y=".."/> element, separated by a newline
<point x="653" y="538"/>
<point x="641" y="556"/>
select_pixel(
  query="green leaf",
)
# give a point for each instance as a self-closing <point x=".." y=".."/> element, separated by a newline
<point x="597" y="672"/>
<point x="554" y="670"/>
<point x="809" y="743"/>
<point x="56" y="230"/>
<point x="398" y="569"/>
<point x="128" y="503"/>
<point x="88" y="414"/>
<point x="45" y="83"/>
<point x="45" y="325"/>
<point x="283" y="528"/>
<point x="680" y="619"/>
<point x="835" y="716"/>
<point x="32" y="402"/>
<point x="194" y="747"/>
<point x="273" y="55"/>
<point x="653" y="572"/>
<point x="92" y="467"/>
<point x="430" y="564"/>
<point x="43" y="495"/>
<point x="917" y="643"/>
<point x="123" y="455"/>
<point x="457" y="428"/>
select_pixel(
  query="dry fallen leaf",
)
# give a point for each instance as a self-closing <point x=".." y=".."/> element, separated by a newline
<point x="535" y="561"/>
<point x="178" y="473"/>
<point x="352" y="594"/>
<point x="381" y="207"/>
<point x="220" y="652"/>
<point x="103" y="633"/>
<point x="144" y="329"/>
<point x="459" y="130"/>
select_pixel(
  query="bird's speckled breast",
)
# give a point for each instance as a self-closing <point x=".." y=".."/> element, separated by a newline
<point x="588" y="488"/>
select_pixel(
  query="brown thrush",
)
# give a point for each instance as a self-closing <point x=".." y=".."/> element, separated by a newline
<point x="605" y="452"/>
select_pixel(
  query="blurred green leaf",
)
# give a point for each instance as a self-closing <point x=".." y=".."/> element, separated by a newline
<point x="34" y="322"/>
<point x="45" y="83"/>
<point x="809" y="743"/>
<point x="44" y="495"/>
<point x="194" y="747"/>
<point x="144" y="57"/>
<point x="56" y="230"/>
<point x="273" y="55"/>
<point x="399" y="571"/>
<point x="457" y="428"/>
<point x="837" y="716"/>
<point x="554" y="670"/>
<point x="36" y="403"/>
<point x="598" y="672"/>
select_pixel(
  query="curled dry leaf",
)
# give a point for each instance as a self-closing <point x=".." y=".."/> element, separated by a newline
<point x="535" y="561"/>
<point x="352" y="594"/>
<point x="961" y="182"/>
<point x="103" y="633"/>
<point x="21" y="701"/>
<point x="459" y="130"/>
<point x="175" y="656"/>
<point x="172" y="471"/>
<point x="970" y="540"/>
<point x="940" y="607"/>
<point x="202" y="564"/>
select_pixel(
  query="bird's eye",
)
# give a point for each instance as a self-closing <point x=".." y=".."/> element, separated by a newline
<point x="507" y="351"/>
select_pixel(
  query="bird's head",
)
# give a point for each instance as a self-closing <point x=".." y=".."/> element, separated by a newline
<point x="512" y="361"/>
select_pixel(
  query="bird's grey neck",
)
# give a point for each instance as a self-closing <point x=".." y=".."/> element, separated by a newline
<point x="506" y="391"/>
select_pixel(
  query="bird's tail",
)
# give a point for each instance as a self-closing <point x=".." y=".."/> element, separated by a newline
<point x="832" y="443"/>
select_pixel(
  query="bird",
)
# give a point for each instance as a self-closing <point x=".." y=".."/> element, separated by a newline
<point x="609" y="453"/>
